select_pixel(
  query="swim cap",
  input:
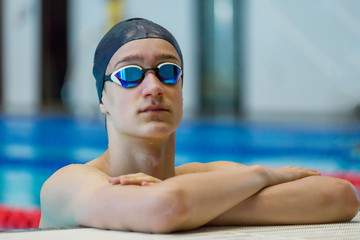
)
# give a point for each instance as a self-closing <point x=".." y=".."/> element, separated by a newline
<point x="121" y="33"/>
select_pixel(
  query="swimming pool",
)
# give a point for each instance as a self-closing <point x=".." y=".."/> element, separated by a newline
<point x="32" y="148"/>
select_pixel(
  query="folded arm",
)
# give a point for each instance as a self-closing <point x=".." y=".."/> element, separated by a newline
<point x="81" y="195"/>
<point x="316" y="199"/>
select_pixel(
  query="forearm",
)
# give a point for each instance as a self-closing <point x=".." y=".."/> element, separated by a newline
<point x="307" y="200"/>
<point x="207" y="195"/>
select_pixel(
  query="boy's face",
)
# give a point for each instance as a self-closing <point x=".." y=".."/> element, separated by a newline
<point x="151" y="109"/>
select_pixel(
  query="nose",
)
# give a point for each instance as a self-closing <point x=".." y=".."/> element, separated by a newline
<point x="152" y="85"/>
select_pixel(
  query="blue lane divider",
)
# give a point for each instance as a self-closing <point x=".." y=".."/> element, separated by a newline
<point x="61" y="140"/>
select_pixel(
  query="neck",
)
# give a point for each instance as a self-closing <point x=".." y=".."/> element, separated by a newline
<point x="130" y="154"/>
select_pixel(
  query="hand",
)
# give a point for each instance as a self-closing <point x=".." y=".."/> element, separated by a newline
<point x="140" y="179"/>
<point x="288" y="173"/>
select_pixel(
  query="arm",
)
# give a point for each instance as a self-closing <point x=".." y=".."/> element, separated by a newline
<point x="81" y="195"/>
<point x="308" y="200"/>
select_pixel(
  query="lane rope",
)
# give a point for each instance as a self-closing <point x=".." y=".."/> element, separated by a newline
<point x="19" y="218"/>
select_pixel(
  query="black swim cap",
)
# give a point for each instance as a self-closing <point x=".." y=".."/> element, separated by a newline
<point x="121" y="33"/>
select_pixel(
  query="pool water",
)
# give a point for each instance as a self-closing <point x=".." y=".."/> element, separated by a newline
<point x="31" y="149"/>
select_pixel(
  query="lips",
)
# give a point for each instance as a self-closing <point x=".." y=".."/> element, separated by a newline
<point x="154" y="109"/>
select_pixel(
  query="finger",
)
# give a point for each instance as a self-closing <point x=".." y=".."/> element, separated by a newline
<point x="310" y="172"/>
<point x="130" y="181"/>
<point x="147" y="183"/>
<point x="114" y="180"/>
<point x="145" y="178"/>
<point x="139" y="181"/>
<point x="315" y="172"/>
<point x="120" y="180"/>
<point x="303" y="169"/>
<point x="154" y="180"/>
<point x="135" y="179"/>
<point x="134" y="175"/>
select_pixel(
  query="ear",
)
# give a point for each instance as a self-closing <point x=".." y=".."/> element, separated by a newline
<point x="103" y="108"/>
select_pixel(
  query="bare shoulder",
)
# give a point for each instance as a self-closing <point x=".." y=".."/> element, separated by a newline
<point x="61" y="190"/>
<point x="80" y="195"/>
<point x="196" y="167"/>
<point x="193" y="167"/>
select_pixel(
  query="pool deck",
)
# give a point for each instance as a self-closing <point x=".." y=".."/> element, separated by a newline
<point x="338" y="231"/>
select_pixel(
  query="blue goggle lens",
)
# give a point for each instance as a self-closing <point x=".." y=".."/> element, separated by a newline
<point x="129" y="77"/>
<point x="169" y="73"/>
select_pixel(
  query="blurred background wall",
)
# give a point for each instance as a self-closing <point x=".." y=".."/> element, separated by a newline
<point x="274" y="60"/>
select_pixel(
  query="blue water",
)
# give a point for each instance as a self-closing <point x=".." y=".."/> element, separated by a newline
<point x="31" y="149"/>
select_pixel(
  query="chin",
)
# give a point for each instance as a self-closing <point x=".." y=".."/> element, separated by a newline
<point x="157" y="130"/>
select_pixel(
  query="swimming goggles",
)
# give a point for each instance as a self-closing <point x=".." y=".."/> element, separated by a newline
<point x="132" y="75"/>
